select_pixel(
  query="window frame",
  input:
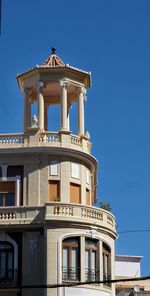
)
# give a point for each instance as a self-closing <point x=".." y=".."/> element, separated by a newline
<point x="7" y="274"/>
<point x="71" y="246"/>
<point x="106" y="253"/>
<point x="91" y="274"/>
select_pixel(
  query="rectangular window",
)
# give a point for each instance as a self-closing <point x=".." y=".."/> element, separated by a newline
<point x="54" y="191"/>
<point x="75" y="193"/>
<point x="91" y="272"/>
<point x="106" y="265"/>
<point x="75" y="170"/>
<point x="71" y="270"/>
<point x="54" y="168"/>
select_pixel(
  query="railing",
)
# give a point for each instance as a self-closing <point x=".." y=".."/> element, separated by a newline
<point x="11" y="139"/>
<point x="91" y="213"/>
<point x="79" y="213"/>
<point x="7" y="215"/>
<point x="91" y="275"/>
<point x="107" y="277"/>
<point x="75" y="140"/>
<point x="49" y="137"/>
<point x="57" y="211"/>
<point x="21" y="214"/>
<point x="70" y="273"/>
<point x="8" y="277"/>
<point x="63" y="211"/>
<point x="58" y="139"/>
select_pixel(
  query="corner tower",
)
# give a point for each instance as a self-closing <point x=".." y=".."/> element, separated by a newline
<point x="54" y="83"/>
<point x="48" y="183"/>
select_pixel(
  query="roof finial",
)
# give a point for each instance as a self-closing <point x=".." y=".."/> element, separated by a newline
<point x="53" y="49"/>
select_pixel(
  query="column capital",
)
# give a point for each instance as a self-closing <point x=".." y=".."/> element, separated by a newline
<point x="41" y="85"/>
<point x="64" y="83"/>
<point x="26" y="91"/>
<point x="82" y="90"/>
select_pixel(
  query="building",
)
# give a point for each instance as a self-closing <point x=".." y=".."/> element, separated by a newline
<point x="129" y="267"/>
<point x="50" y="231"/>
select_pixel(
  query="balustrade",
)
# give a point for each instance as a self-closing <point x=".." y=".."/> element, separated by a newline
<point x="49" y="137"/>
<point x="11" y="139"/>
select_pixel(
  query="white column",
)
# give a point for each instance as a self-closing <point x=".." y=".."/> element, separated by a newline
<point x="17" y="191"/>
<point x="40" y="100"/>
<point x="82" y="92"/>
<point x="101" y="260"/>
<point x="68" y="119"/>
<point x="82" y="258"/>
<point x="64" y="120"/>
<point x="27" y="109"/>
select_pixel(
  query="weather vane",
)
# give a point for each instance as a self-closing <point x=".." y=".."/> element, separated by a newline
<point x="53" y="49"/>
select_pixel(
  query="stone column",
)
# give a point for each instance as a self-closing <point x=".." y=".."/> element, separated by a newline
<point x="27" y="109"/>
<point x="82" y="92"/>
<point x="68" y="119"/>
<point x="64" y="121"/>
<point x="40" y="100"/>
<point x="82" y="258"/>
<point x="101" y="260"/>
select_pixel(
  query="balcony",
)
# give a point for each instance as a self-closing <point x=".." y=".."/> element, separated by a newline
<point x="107" y="277"/>
<point x="45" y="139"/>
<point x="56" y="211"/>
<point x="8" y="277"/>
<point x="70" y="273"/>
<point x="78" y="213"/>
<point x="91" y="275"/>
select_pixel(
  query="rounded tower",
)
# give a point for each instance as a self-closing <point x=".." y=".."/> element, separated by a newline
<point x="64" y="236"/>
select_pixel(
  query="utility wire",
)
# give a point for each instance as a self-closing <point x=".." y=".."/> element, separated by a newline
<point x="134" y="230"/>
<point x="75" y="284"/>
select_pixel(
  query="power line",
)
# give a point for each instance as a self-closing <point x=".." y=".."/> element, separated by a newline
<point x="73" y="284"/>
<point x="134" y="231"/>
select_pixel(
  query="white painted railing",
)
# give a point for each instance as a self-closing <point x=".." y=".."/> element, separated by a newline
<point x="49" y="137"/>
<point x="20" y="214"/>
<point x="75" y="140"/>
<point x="46" y="139"/>
<point x="79" y="212"/>
<point x="57" y="211"/>
<point x="11" y="139"/>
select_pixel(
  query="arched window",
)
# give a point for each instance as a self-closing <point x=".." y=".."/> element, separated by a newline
<point x="71" y="260"/>
<point x="6" y="263"/>
<point x="106" y="263"/>
<point x="91" y="260"/>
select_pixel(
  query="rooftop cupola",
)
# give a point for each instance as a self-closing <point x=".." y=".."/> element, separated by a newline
<point x="53" y="83"/>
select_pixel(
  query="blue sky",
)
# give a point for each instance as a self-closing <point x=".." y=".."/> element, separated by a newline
<point x="111" y="39"/>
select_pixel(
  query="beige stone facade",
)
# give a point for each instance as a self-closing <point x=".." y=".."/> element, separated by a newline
<point x="50" y="230"/>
